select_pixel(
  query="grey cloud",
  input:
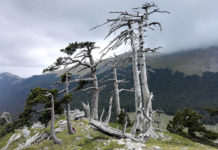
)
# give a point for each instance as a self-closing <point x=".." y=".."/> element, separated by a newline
<point x="32" y="32"/>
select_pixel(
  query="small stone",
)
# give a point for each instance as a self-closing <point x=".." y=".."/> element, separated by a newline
<point x="37" y="125"/>
<point x="77" y="138"/>
<point x="89" y="137"/>
<point x="120" y="142"/>
<point x="58" y="130"/>
<point x="157" y="148"/>
<point x="25" y="132"/>
<point x="62" y="123"/>
<point x="81" y="124"/>
<point x="128" y="140"/>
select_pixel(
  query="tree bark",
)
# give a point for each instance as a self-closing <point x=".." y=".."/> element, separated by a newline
<point x="147" y="96"/>
<point x="87" y="109"/>
<point x="68" y="112"/>
<point x="109" y="109"/>
<point x="95" y="91"/>
<point x="142" y="60"/>
<point x="95" y="97"/>
<point x="116" y="91"/>
<point x="53" y="136"/>
<point x="137" y="86"/>
<point x="112" y="131"/>
<point x="102" y="114"/>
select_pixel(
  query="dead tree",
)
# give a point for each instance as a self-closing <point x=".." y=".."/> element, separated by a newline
<point x="143" y="25"/>
<point x="53" y="136"/>
<point x="65" y="78"/>
<point x="112" y="131"/>
<point x="5" y="118"/>
<point x="109" y="109"/>
<point x="86" y="107"/>
<point x="132" y="28"/>
<point x="115" y="65"/>
<point x="124" y="23"/>
<point x="80" y="56"/>
<point x="68" y="111"/>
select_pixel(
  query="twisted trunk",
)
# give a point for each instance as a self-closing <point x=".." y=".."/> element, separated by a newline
<point x="95" y="96"/>
<point x="116" y="91"/>
<point x="53" y="136"/>
<point x="147" y="96"/>
<point x="95" y="91"/>
<point x="109" y="110"/>
<point x="68" y="112"/>
<point x="87" y="109"/>
<point x="112" y="131"/>
<point x="137" y="86"/>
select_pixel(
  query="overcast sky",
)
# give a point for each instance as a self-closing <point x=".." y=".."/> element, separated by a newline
<point x="33" y="31"/>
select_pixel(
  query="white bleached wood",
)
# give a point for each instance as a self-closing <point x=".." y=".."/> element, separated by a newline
<point x="109" y="109"/>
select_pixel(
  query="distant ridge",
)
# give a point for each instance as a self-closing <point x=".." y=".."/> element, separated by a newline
<point x="190" y="62"/>
<point x="181" y="79"/>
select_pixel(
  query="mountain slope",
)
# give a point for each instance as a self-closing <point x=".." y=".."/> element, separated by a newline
<point x="172" y="90"/>
<point x="89" y="138"/>
<point x="196" y="61"/>
<point x="14" y="90"/>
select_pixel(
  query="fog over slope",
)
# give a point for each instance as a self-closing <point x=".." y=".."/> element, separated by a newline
<point x="34" y="31"/>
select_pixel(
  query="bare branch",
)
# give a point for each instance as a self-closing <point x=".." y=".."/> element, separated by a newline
<point x="102" y="114"/>
<point x="62" y="91"/>
<point x="127" y="90"/>
<point x="89" y="88"/>
<point x="122" y="81"/>
<point x="84" y="79"/>
<point x="47" y="109"/>
<point x="102" y="87"/>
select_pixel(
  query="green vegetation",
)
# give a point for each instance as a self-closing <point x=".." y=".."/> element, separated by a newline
<point x="26" y="118"/>
<point x="172" y="91"/>
<point x="189" y="120"/>
<point x="81" y="141"/>
<point x="177" y="142"/>
<point x="122" y="116"/>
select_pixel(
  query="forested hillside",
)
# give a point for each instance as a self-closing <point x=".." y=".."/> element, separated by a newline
<point x="172" y="91"/>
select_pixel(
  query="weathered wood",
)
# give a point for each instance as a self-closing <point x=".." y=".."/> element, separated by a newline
<point x="112" y="131"/>
<point x="102" y="114"/>
<point x="116" y="91"/>
<point x="125" y="123"/>
<point x="137" y="86"/>
<point x="53" y="136"/>
<point x="109" y="109"/>
<point x="87" y="109"/>
<point x="68" y="112"/>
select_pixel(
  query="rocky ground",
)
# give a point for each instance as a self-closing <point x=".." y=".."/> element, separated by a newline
<point x="87" y="138"/>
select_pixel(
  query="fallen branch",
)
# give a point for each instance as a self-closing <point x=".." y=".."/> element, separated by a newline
<point x="102" y="127"/>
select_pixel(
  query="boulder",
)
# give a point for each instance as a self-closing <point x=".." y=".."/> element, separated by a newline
<point x="25" y="132"/>
<point x="13" y="138"/>
<point x="37" y="125"/>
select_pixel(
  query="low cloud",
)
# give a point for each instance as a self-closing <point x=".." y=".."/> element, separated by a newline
<point x="32" y="32"/>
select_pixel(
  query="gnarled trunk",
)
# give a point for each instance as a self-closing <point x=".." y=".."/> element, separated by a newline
<point x="147" y="96"/>
<point x="68" y="112"/>
<point x="87" y="109"/>
<point x="95" y="96"/>
<point x="53" y="136"/>
<point x="138" y="97"/>
<point x="112" y="131"/>
<point x="116" y="91"/>
<point x="137" y="86"/>
<point x="109" y="109"/>
<point x="95" y="91"/>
